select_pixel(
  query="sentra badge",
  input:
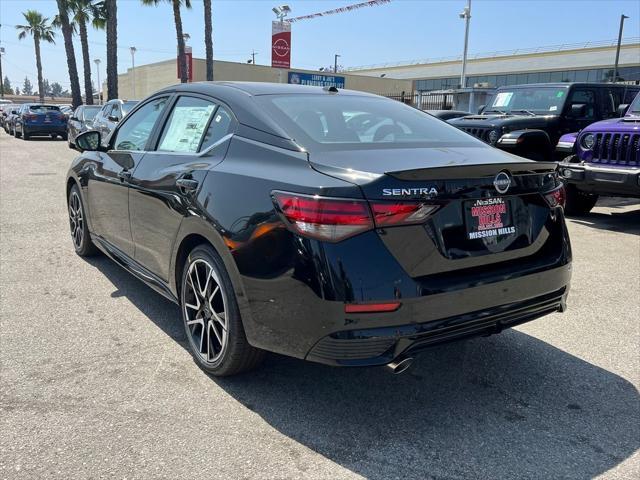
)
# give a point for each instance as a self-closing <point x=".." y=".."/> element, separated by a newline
<point x="409" y="192"/>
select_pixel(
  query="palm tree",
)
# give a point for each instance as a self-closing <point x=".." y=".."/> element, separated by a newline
<point x="67" y="33"/>
<point x="40" y="29"/>
<point x="108" y="10"/>
<point x="208" y="39"/>
<point x="84" y="11"/>
<point x="182" y="59"/>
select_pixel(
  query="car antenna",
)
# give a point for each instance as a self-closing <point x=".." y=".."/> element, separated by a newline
<point x="331" y="89"/>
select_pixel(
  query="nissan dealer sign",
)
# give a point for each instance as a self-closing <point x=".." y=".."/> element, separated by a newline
<point x="280" y="44"/>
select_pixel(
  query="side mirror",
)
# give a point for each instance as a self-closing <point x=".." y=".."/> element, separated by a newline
<point x="14" y="112"/>
<point x="88" y="141"/>
<point x="578" y="110"/>
<point x="73" y="117"/>
<point x="622" y="109"/>
<point x="113" y="118"/>
<point x="481" y="109"/>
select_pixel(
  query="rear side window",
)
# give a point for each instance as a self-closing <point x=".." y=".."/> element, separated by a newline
<point x="136" y="129"/>
<point x="187" y="125"/>
<point x="340" y="121"/>
<point x="219" y="126"/>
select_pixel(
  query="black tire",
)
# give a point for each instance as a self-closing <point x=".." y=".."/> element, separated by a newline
<point x="71" y="145"/>
<point x="81" y="238"/>
<point x="578" y="202"/>
<point x="64" y="137"/>
<point x="235" y="355"/>
<point x="25" y="135"/>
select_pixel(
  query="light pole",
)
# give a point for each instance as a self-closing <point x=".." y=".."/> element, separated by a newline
<point x="335" y="63"/>
<point x="133" y="69"/>
<point x="615" y="68"/>
<point x="466" y="15"/>
<point x="281" y="12"/>
<point x="1" y="77"/>
<point x="97" y="62"/>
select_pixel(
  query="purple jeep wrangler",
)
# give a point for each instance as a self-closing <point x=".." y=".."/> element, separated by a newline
<point x="605" y="160"/>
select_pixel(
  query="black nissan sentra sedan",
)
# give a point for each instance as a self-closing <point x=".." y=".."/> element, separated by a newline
<point x="329" y="225"/>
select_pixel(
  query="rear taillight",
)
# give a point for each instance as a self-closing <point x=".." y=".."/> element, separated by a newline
<point x="30" y="116"/>
<point x="330" y="219"/>
<point x="335" y="219"/>
<point x="388" y="214"/>
<point x="556" y="197"/>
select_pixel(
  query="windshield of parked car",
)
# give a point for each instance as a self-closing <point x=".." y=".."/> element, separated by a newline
<point x="527" y="100"/>
<point x="127" y="107"/>
<point x="44" y="108"/>
<point x="634" y="108"/>
<point x="90" y="112"/>
<point x="342" y="120"/>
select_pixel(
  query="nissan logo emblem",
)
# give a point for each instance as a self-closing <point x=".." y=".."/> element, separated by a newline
<point x="502" y="182"/>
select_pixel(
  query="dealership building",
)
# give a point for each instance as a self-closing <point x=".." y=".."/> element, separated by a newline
<point x="590" y="62"/>
<point x="587" y="62"/>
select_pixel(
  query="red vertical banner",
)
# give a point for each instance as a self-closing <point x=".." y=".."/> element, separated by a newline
<point x="281" y="44"/>
<point x="188" y="53"/>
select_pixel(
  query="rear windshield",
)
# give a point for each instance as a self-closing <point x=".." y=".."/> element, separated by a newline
<point x="348" y="120"/>
<point x="44" y="108"/>
<point x="91" y="112"/>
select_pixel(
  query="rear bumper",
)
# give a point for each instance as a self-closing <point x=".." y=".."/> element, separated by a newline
<point x="462" y="315"/>
<point x="605" y="180"/>
<point x="44" y="129"/>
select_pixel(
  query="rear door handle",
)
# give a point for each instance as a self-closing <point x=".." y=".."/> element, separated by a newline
<point x="187" y="185"/>
<point x="124" y="175"/>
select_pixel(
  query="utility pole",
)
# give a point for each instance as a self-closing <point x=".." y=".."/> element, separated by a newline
<point x="97" y="62"/>
<point x="253" y="57"/>
<point x="615" y="67"/>
<point x="335" y="63"/>
<point x="466" y="15"/>
<point x="1" y="77"/>
<point x="133" y="69"/>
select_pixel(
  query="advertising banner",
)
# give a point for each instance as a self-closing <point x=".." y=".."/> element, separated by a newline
<point x="316" y="79"/>
<point x="188" y="52"/>
<point x="280" y="44"/>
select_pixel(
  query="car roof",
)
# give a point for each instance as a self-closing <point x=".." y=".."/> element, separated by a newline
<point x="567" y="85"/>
<point x="256" y="88"/>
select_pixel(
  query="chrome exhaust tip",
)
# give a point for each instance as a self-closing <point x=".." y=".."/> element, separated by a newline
<point x="399" y="366"/>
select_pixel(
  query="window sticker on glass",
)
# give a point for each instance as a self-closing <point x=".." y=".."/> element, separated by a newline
<point x="560" y="94"/>
<point x="502" y="99"/>
<point x="186" y="128"/>
<point x="553" y="108"/>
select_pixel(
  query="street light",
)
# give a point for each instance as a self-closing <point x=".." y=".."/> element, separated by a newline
<point x="466" y="15"/>
<point x="615" y="68"/>
<point x="281" y="12"/>
<point x="335" y="63"/>
<point x="97" y="62"/>
<point x="1" y="77"/>
<point x="133" y="69"/>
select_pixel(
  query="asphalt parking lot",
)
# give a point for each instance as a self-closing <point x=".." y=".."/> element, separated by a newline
<point x="96" y="381"/>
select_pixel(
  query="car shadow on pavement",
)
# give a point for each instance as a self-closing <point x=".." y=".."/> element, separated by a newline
<point x="626" y="221"/>
<point x="508" y="406"/>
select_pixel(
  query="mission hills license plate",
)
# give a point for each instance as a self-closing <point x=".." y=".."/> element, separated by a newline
<point x="489" y="217"/>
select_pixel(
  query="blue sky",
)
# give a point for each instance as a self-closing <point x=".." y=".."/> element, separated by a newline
<point x="400" y="30"/>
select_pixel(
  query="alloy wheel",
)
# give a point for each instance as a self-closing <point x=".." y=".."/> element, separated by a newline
<point x="205" y="308"/>
<point x="76" y="220"/>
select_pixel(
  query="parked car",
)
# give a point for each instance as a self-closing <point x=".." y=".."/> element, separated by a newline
<point x="80" y="121"/>
<point x="528" y="120"/>
<point x="5" y="111"/>
<point x="604" y="160"/>
<point x="37" y="119"/>
<point x="276" y="227"/>
<point x="67" y="110"/>
<point x="10" y="121"/>
<point x="111" y="113"/>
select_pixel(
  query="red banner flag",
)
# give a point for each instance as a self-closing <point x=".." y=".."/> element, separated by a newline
<point x="281" y="44"/>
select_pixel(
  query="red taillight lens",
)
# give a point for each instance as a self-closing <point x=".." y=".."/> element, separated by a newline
<point x="30" y="116"/>
<point x="557" y="197"/>
<point x="371" y="307"/>
<point x="323" y="218"/>
<point x="334" y="219"/>
<point x="395" y="213"/>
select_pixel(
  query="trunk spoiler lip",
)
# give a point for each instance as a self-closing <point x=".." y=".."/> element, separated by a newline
<point x="475" y="171"/>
